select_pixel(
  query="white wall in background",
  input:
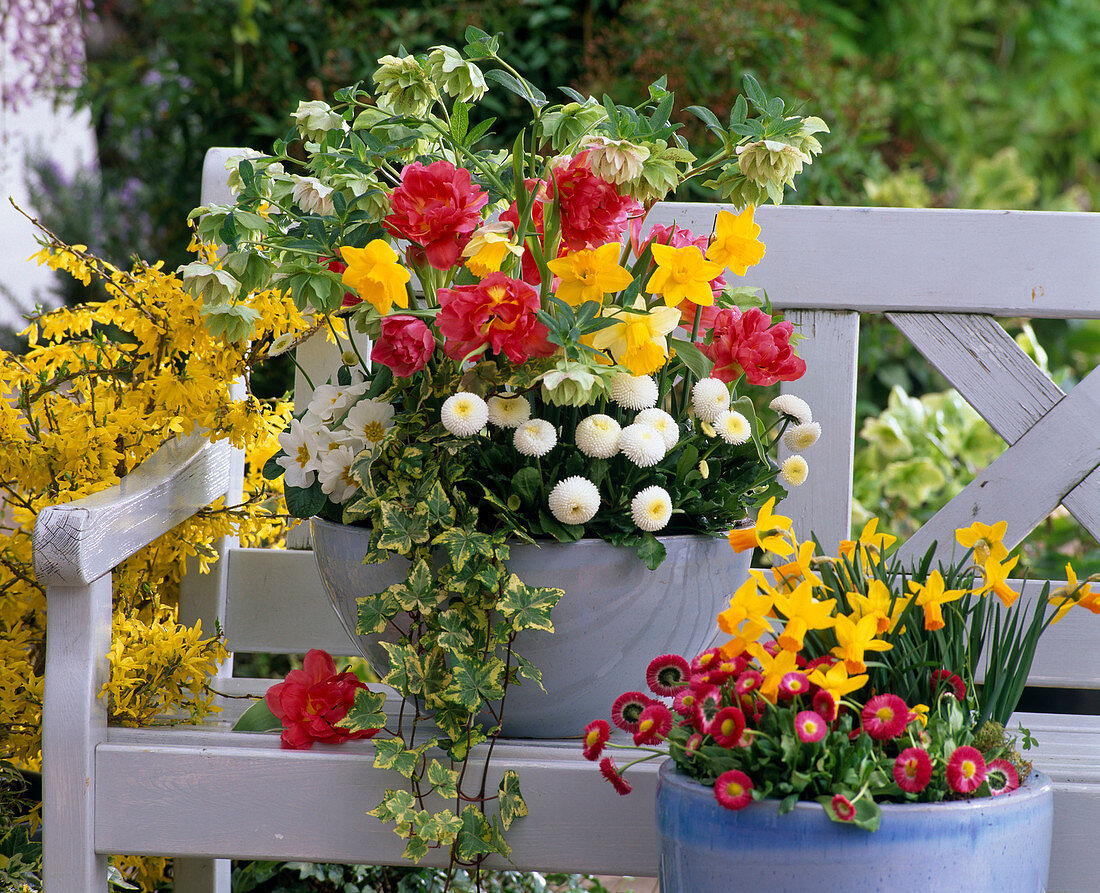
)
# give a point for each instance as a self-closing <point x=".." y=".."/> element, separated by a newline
<point x="59" y="134"/>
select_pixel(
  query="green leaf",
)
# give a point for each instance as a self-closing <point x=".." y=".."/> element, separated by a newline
<point x="522" y="87"/>
<point x="401" y="531"/>
<point x="444" y="780"/>
<point x="697" y="361"/>
<point x="528" y="607"/>
<point x="527" y="482"/>
<point x="304" y="502"/>
<point x="258" y="718"/>
<point x="651" y="551"/>
<point x="390" y="754"/>
<point x="512" y="804"/>
<point x="366" y="713"/>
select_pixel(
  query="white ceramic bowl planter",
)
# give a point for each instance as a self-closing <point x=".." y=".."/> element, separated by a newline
<point x="615" y="617"/>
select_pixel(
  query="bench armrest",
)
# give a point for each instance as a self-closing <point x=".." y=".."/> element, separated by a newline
<point x="81" y="541"/>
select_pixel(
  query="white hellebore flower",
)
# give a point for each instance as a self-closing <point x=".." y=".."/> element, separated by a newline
<point x="335" y="473"/>
<point x="733" y="427"/>
<point x="312" y="196"/>
<point x="303" y="447"/>
<point x="464" y="414"/>
<point x="597" y="436"/>
<point x="535" y="438"/>
<point x="368" y="421"/>
<point x="642" y="444"/>
<point x="793" y="407"/>
<point x="508" y="412"/>
<point x="617" y="161"/>
<point x="634" y="391"/>
<point x="574" y="500"/>
<point x="710" y="396"/>
<point x="794" y="470"/>
<point x="800" y="437"/>
<point x="315" y="118"/>
<point x="651" y="508"/>
<point x="663" y="422"/>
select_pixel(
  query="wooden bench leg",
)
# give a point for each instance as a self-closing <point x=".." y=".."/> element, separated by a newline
<point x="78" y="636"/>
<point x="201" y="875"/>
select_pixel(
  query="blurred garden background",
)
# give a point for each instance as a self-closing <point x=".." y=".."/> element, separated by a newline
<point x="931" y="103"/>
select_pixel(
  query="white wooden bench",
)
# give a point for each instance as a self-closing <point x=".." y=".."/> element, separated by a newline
<point x="204" y="793"/>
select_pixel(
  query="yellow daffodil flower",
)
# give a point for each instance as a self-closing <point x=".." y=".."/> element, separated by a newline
<point x="486" y="250"/>
<point x="996" y="579"/>
<point x="682" y="274"/>
<point x="854" y="636"/>
<point x="746" y="619"/>
<point x="769" y="533"/>
<point x="736" y="244"/>
<point x="931" y="596"/>
<point x="774" y="668"/>
<point x="1073" y="593"/>
<point x="793" y="572"/>
<point x="638" y="338"/>
<point x="836" y="680"/>
<point x="985" y="540"/>
<point x="876" y="603"/>
<point x="376" y="275"/>
<point x="803" y="613"/>
<point x="590" y="274"/>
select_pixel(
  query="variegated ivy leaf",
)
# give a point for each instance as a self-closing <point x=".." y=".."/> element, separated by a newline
<point x="453" y="635"/>
<point x="440" y="510"/>
<point x="442" y="827"/>
<point x="528" y="607"/>
<point x="366" y="712"/>
<point x="471" y="684"/>
<point x="474" y="839"/>
<point x="375" y="612"/>
<point x="444" y="780"/>
<point x="402" y="530"/>
<point x="416" y="848"/>
<point x="396" y="806"/>
<point x="463" y="545"/>
<point x="391" y="754"/>
<point x="512" y="804"/>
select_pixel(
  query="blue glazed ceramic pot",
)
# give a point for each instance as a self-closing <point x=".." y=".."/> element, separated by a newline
<point x="615" y="617"/>
<point x="992" y="845"/>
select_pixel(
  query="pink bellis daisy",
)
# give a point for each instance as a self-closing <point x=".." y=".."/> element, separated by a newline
<point x="1001" y="776"/>
<point x="667" y="675"/>
<point x="913" y="770"/>
<point x="966" y="769"/>
<point x="628" y="708"/>
<point x="596" y="734"/>
<point x="885" y="716"/>
<point x="610" y="771"/>
<point x="809" y="726"/>
<point x="727" y="726"/>
<point x="733" y="789"/>
<point x="654" y="724"/>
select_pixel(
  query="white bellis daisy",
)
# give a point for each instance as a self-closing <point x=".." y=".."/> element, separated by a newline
<point x="634" y="391"/>
<point x="651" y="508"/>
<point x="464" y="414"/>
<point x="800" y="437"/>
<point x="733" y="427"/>
<point x="663" y="422"/>
<point x="793" y="407"/>
<point x="710" y="396"/>
<point x="508" y="412"/>
<point x="597" y="436"/>
<point x="642" y="444"/>
<point x="535" y="438"/>
<point x="574" y="500"/>
<point x="794" y="471"/>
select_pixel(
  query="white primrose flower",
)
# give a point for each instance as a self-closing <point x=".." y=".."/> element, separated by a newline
<point x="634" y="391"/>
<point x="322" y="405"/>
<point x="303" y="445"/>
<point x="367" y="422"/>
<point x="508" y="412"/>
<point x="642" y="444"/>
<point x="793" y="407"/>
<point x="733" y="427"/>
<point x="710" y="396"/>
<point x="335" y="473"/>
<point x="801" y="437"/>
<point x="651" y="508"/>
<point x="312" y="196"/>
<point x="574" y="500"/>
<point x="663" y="422"/>
<point x="535" y="438"/>
<point x="464" y="414"/>
<point x="597" y="436"/>
<point x="794" y="470"/>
